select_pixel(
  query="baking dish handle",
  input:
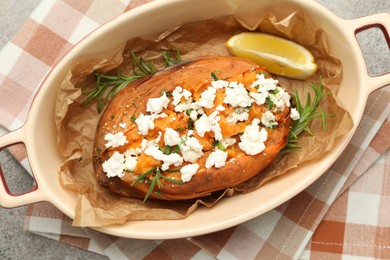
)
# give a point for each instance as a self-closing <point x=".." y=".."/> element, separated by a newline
<point x="381" y="21"/>
<point x="8" y="199"/>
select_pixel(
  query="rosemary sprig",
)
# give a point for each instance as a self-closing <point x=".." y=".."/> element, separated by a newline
<point x="309" y="111"/>
<point x="108" y="86"/>
<point x="154" y="176"/>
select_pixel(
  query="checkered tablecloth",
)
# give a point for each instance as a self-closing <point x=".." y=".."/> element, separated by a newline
<point x="345" y="213"/>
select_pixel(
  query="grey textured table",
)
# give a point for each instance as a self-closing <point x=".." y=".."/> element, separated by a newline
<point x="18" y="244"/>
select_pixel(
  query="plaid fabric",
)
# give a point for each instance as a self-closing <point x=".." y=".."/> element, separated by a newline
<point x="344" y="213"/>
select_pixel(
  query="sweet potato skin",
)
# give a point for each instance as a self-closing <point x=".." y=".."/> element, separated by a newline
<point x="132" y="100"/>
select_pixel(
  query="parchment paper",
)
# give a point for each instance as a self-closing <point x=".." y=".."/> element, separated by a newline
<point x="76" y="125"/>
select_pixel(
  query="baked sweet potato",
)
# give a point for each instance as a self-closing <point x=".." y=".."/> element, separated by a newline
<point x="189" y="130"/>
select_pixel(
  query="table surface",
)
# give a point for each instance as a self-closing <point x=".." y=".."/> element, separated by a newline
<point x="16" y="243"/>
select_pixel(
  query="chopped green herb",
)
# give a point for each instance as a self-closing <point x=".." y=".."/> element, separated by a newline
<point x="220" y="146"/>
<point x="180" y="129"/>
<point x="190" y="124"/>
<point x="275" y="91"/>
<point x="176" y="149"/>
<point x="269" y="104"/>
<point x="189" y="111"/>
<point x="264" y="73"/>
<point x="214" y="76"/>
<point x="99" y="150"/>
<point x="168" y="94"/>
<point x="133" y="118"/>
<point x="112" y="117"/>
<point x="166" y="149"/>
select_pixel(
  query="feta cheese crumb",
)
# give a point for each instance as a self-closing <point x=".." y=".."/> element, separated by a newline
<point x="144" y="123"/>
<point x="191" y="149"/>
<point x="171" y="137"/>
<point x="228" y="142"/>
<point x="259" y="97"/>
<point x="239" y="114"/>
<point x="220" y="108"/>
<point x="294" y="114"/>
<point x="252" y="140"/>
<point x="237" y="95"/>
<point x="156" y="105"/>
<point x="194" y="115"/>
<point x="114" y="165"/>
<point x="209" y="123"/>
<point x="130" y="161"/>
<point x="268" y="119"/>
<point x="207" y="97"/>
<point x="188" y="171"/>
<point x="216" y="159"/>
<point x="266" y="84"/>
<point x="115" y="140"/>
<point x="280" y="99"/>
<point x="220" y="84"/>
<point x="122" y="125"/>
<point x="167" y="159"/>
<point x="178" y="93"/>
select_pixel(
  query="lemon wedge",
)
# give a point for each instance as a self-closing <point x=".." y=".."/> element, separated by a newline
<point x="280" y="56"/>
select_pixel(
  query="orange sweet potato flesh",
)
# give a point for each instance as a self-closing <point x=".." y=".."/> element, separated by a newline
<point x="192" y="74"/>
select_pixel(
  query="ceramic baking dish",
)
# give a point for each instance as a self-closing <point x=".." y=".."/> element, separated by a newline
<point x="39" y="132"/>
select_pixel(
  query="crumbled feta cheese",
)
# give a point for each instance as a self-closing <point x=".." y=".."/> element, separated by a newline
<point x="209" y="123"/>
<point x="144" y="123"/>
<point x="167" y="159"/>
<point x="268" y="119"/>
<point x="188" y="171"/>
<point x="122" y="125"/>
<point x="264" y="83"/>
<point x="171" y="137"/>
<point x="115" y="140"/>
<point x="280" y="99"/>
<point x="191" y="149"/>
<point x="260" y="96"/>
<point x="130" y="161"/>
<point x="171" y="159"/>
<point x="216" y="159"/>
<point x="194" y="115"/>
<point x="207" y="97"/>
<point x="203" y="125"/>
<point x="237" y="95"/>
<point x="139" y="150"/>
<point x="220" y="84"/>
<point x="187" y="106"/>
<point x="114" y="165"/>
<point x="239" y="114"/>
<point x="228" y="142"/>
<point x="178" y="93"/>
<point x="252" y="140"/>
<point x="294" y="114"/>
<point x="156" y="105"/>
<point x="220" y="108"/>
